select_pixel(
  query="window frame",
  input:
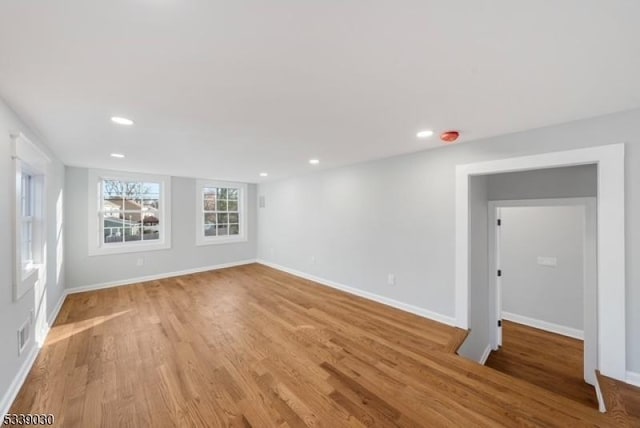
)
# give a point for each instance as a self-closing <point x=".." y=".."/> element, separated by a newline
<point x="28" y="194"/>
<point x="97" y="247"/>
<point x="29" y="160"/>
<point x="243" y="236"/>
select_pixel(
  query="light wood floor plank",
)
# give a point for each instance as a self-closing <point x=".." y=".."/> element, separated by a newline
<point x="549" y="360"/>
<point x="254" y="347"/>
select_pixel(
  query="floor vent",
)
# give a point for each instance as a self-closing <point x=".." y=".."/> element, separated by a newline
<point x="24" y="335"/>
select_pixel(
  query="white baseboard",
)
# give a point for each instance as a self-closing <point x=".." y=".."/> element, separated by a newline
<point x="367" y="295"/>
<point x="147" y="278"/>
<point x="601" y="404"/>
<point x="56" y="310"/>
<point x="25" y="368"/>
<point x="18" y="380"/>
<point x="633" y="378"/>
<point x="485" y="355"/>
<point x="544" y="325"/>
<point x="52" y="317"/>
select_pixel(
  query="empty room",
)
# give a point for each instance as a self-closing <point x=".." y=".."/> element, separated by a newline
<point x="311" y="213"/>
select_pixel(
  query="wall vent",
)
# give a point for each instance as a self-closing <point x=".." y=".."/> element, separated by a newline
<point x="261" y="203"/>
<point x="24" y="334"/>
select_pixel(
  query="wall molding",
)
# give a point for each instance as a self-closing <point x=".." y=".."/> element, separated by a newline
<point x="7" y="400"/>
<point x="18" y="380"/>
<point x="612" y="328"/>
<point x="424" y="313"/>
<point x="52" y="318"/>
<point x="485" y="355"/>
<point x="633" y="378"/>
<point x="146" y="278"/>
<point x="602" y="407"/>
<point x="544" y="325"/>
<point x="27" y="364"/>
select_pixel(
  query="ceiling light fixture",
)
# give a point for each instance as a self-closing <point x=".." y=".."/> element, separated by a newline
<point x="264" y="174"/>
<point x="122" y="121"/>
<point x="424" y="134"/>
<point x="314" y="161"/>
<point x="117" y="155"/>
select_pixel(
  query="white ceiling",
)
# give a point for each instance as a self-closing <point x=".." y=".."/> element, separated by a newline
<point x="228" y="89"/>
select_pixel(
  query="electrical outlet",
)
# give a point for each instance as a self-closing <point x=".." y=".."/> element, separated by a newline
<point x="391" y="279"/>
<point x="313" y="260"/>
<point x="140" y="261"/>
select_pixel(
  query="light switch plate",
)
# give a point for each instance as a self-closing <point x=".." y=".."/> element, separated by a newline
<point x="548" y="261"/>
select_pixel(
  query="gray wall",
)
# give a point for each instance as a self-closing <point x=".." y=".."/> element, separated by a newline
<point x="397" y="216"/>
<point x="575" y="181"/>
<point x="13" y="314"/>
<point x="478" y="340"/>
<point x="551" y="294"/>
<point x="83" y="270"/>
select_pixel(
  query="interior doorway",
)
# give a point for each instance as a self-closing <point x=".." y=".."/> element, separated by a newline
<point x="544" y="288"/>
<point x="471" y="269"/>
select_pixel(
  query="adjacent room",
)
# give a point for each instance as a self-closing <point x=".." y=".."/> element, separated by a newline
<point x="328" y="214"/>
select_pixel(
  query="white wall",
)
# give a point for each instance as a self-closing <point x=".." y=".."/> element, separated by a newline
<point x="13" y="314"/>
<point x="478" y="341"/>
<point x="397" y="215"/>
<point x="83" y="270"/>
<point x="551" y="294"/>
<point x="575" y="181"/>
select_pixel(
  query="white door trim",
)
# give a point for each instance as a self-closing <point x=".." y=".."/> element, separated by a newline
<point x="590" y="332"/>
<point x="611" y="240"/>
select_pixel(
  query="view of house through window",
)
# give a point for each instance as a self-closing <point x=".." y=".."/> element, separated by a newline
<point x="27" y="210"/>
<point x="221" y="214"/>
<point x="130" y="211"/>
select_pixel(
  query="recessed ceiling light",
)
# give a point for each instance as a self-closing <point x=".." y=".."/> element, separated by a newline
<point x="424" y="134"/>
<point x="117" y="155"/>
<point x="314" y="161"/>
<point x="122" y="121"/>
<point x="264" y="174"/>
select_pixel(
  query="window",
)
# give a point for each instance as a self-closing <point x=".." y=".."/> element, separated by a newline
<point x="132" y="213"/>
<point x="221" y="212"/>
<point x="27" y="209"/>
<point x="30" y="167"/>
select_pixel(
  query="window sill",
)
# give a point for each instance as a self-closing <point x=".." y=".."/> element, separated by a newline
<point x="220" y="241"/>
<point x="124" y="249"/>
<point x="29" y="271"/>
<point x="28" y="279"/>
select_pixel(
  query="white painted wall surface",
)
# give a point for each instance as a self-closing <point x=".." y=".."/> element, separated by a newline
<point x="478" y="340"/>
<point x="83" y="270"/>
<point x="576" y="182"/>
<point x="396" y="215"/>
<point x="552" y="294"/>
<point x="13" y="314"/>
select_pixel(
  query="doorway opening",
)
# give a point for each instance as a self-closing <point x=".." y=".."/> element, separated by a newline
<point x="544" y="324"/>
<point x="472" y="267"/>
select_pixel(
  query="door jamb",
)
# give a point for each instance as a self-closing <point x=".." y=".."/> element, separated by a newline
<point x="610" y="160"/>
<point x="590" y="286"/>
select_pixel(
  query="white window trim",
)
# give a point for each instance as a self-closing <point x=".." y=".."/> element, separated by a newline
<point x="27" y="157"/>
<point x="96" y="246"/>
<point x="201" y="239"/>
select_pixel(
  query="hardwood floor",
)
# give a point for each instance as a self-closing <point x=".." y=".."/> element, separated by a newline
<point x="252" y="346"/>
<point x="549" y="360"/>
<point x="622" y="401"/>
